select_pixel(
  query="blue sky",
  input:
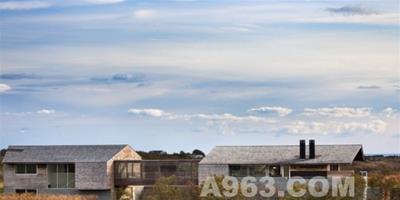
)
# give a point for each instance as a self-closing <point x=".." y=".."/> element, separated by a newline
<point x="185" y="74"/>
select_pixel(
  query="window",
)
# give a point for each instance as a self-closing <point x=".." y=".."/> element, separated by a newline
<point x="61" y="176"/>
<point x="22" y="191"/>
<point x="25" y="169"/>
<point x="275" y="171"/>
<point x="334" y="167"/>
<point x="247" y="170"/>
<point x="257" y="170"/>
<point x="168" y="170"/>
<point x="238" y="170"/>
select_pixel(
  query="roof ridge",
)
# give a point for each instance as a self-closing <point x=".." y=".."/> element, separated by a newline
<point x="286" y="145"/>
<point x="68" y="145"/>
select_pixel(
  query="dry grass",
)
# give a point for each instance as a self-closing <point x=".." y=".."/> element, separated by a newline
<point x="45" y="197"/>
<point x="1" y="187"/>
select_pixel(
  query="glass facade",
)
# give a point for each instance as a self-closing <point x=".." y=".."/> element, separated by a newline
<point x="61" y="175"/>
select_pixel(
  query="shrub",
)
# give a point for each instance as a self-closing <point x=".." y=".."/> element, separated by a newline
<point x="45" y="197"/>
<point x="164" y="189"/>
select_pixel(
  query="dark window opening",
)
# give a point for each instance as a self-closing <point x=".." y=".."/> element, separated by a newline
<point x="334" y="167"/>
<point x="275" y="171"/>
<point x="23" y="191"/>
<point x="20" y="191"/>
<point x="168" y="170"/>
<point x="26" y="169"/>
<point x="247" y="170"/>
<point x="308" y="174"/>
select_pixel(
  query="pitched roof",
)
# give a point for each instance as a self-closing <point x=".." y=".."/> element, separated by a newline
<point x="61" y="153"/>
<point x="285" y="154"/>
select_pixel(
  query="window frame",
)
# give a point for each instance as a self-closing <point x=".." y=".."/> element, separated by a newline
<point x="241" y="171"/>
<point x="25" y="169"/>
<point x="334" y="167"/>
<point x="57" y="172"/>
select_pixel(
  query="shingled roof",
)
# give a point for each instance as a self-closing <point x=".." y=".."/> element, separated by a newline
<point x="283" y="154"/>
<point x="61" y="153"/>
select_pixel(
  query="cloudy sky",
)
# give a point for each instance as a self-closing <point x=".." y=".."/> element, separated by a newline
<point x="184" y="74"/>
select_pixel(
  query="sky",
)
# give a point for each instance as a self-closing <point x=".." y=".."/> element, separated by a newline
<point x="192" y="74"/>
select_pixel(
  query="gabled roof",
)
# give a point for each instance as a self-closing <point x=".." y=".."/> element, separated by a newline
<point x="61" y="153"/>
<point x="287" y="154"/>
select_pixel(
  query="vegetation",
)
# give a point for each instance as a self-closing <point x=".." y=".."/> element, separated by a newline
<point x="45" y="197"/>
<point x="1" y="171"/>
<point x="387" y="183"/>
<point x="359" y="192"/>
<point x="162" y="155"/>
<point x="359" y="182"/>
<point x="383" y="173"/>
<point x="164" y="190"/>
<point x="218" y="180"/>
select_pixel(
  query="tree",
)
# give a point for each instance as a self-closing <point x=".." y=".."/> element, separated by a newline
<point x="197" y="152"/>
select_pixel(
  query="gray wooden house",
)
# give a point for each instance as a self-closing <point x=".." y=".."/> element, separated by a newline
<point x="283" y="161"/>
<point x="107" y="171"/>
<point x="69" y="169"/>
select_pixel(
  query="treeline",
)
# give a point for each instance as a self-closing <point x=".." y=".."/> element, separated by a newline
<point x="162" y="155"/>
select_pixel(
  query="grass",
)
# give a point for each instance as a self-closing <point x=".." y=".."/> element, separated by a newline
<point x="44" y="197"/>
<point x="1" y="186"/>
<point x="1" y="175"/>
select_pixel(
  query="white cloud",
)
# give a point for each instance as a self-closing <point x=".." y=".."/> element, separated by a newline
<point x="24" y="114"/>
<point x="156" y="113"/>
<point x="338" y="112"/>
<point x="4" y="87"/>
<point x="281" y="111"/>
<point x="45" y="111"/>
<point x="334" y="127"/>
<point x="23" y="5"/>
<point x="144" y="14"/>
<point x="389" y="112"/>
<point x="150" y="112"/>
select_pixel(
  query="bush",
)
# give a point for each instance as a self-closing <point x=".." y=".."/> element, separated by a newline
<point x="45" y="197"/>
<point x="164" y="189"/>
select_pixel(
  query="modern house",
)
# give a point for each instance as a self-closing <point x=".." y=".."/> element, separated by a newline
<point x="107" y="171"/>
<point x="280" y="161"/>
<point x="64" y="169"/>
<point x="115" y="171"/>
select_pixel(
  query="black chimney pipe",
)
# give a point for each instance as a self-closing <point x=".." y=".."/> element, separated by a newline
<point x="312" y="149"/>
<point x="302" y="149"/>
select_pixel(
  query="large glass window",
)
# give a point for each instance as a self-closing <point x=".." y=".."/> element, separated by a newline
<point x="257" y="170"/>
<point x="61" y="175"/>
<point x="128" y="170"/>
<point x="247" y="170"/>
<point x="25" y="168"/>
